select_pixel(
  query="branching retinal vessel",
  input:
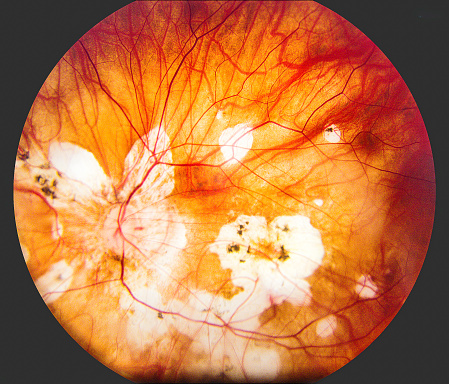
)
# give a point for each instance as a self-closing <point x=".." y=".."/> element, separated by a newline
<point x="228" y="191"/>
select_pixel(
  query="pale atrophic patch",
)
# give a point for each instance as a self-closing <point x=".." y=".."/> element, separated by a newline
<point x="332" y="134"/>
<point x="55" y="282"/>
<point x="223" y="350"/>
<point x="243" y="246"/>
<point x="326" y="326"/>
<point x="365" y="287"/>
<point x="151" y="239"/>
<point x="236" y="142"/>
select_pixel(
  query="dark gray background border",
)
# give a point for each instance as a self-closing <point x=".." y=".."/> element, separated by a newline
<point x="35" y="35"/>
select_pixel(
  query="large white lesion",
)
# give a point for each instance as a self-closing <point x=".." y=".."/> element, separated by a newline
<point x="270" y="260"/>
<point x="68" y="174"/>
<point x="270" y="263"/>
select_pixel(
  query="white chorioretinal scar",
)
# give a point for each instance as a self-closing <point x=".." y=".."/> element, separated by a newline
<point x="279" y="256"/>
<point x="332" y="134"/>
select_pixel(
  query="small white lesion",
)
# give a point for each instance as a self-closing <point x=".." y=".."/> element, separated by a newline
<point x="318" y="202"/>
<point x="365" y="287"/>
<point x="326" y="326"/>
<point x="332" y="134"/>
<point x="55" y="282"/>
<point x="236" y="142"/>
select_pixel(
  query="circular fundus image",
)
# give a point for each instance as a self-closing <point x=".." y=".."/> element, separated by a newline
<point x="224" y="191"/>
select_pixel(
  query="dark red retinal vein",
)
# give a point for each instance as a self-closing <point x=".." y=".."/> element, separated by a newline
<point x="228" y="191"/>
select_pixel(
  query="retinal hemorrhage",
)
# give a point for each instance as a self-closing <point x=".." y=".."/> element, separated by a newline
<point x="227" y="212"/>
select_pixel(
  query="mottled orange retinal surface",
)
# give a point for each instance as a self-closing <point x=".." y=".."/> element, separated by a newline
<point x="227" y="191"/>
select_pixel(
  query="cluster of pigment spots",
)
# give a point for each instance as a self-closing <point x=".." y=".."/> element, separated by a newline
<point x="271" y="260"/>
<point x="332" y="134"/>
<point x="136" y="223"/>
<point x="269" y="264"/>
<point x="70" y="175"/>
<point x="184" y="243"/>
<point x="218" y="326"/>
